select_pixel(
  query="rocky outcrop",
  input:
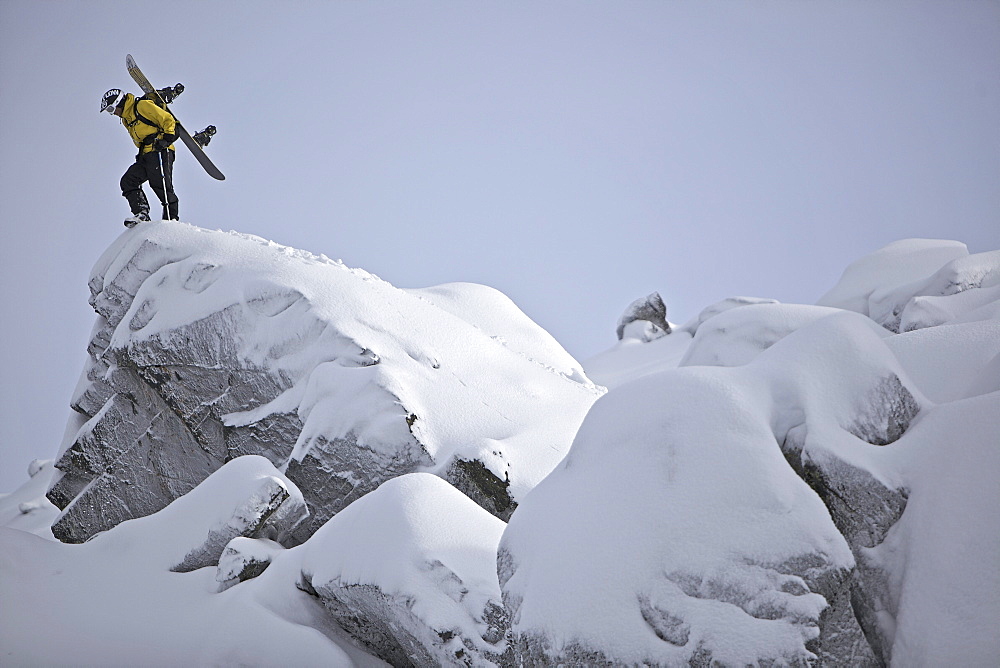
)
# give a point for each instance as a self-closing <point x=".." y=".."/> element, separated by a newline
<point x="210" y="346"/>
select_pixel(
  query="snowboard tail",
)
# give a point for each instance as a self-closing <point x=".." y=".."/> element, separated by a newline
<point x="182" y="132"/>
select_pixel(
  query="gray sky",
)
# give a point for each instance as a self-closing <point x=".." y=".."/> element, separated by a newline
<point x="574" y="155"/>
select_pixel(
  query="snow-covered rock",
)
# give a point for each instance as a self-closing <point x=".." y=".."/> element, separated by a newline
<point x="644" y="319"/>
<point x="212" y="345"/>
<point x="408" y="570"/>
<point x="129" y="596"/>
<point x="734" y="336"/>
<point x="880" y="273"/>
<point x="244" y="559"/>
<point x="709" y="547"/>
<point x="917" y="283"/>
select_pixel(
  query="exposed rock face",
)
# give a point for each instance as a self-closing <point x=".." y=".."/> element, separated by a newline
<point x="862" y="507"/>
<point x="210" y="346"/>
<point x="133" y="457"/>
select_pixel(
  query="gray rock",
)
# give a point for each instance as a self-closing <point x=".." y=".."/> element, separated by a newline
<point x="130" y="460"/>
<point x="472" y="478"/>
<point x="885" y="413"/>
<point x="269" y="512"/>
<point x="863" y="510"/>
<point x="244" y="559"/>
<point x="385" y="625"/>
<point x="651" y="309"/>
<point x="335" y="473"/>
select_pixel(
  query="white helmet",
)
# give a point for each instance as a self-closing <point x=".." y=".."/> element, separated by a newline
<point x="110" y="100"/>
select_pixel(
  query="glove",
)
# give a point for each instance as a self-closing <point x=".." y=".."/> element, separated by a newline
<point x="164" y="142"/>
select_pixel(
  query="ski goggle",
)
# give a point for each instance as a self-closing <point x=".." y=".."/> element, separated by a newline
<point x="110" y="100"/>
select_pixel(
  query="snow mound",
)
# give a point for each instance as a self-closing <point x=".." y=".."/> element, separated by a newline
<point x="421" y="588"/>
<point x="26" y="508"/>
<point x="733" y="337"/>
<point x="117" y="600"/>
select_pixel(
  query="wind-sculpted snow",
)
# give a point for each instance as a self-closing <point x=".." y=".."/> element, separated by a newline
<point x="212" y="345"/>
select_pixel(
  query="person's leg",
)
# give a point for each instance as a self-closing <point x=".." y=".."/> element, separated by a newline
<point x="160" y="172"/>
<point x="131" y="185"/>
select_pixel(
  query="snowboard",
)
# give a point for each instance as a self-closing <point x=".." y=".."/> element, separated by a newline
<point x="196" y="150"/>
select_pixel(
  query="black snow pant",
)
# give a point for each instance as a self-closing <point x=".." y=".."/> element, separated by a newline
<point x="156" y="167"/>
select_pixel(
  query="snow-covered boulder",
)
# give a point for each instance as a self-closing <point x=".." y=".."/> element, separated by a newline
<point x="722" y="306"/>
<point x="212" y="345"/>
<point x="918" y="283"/>
<point x="706" y="546"/>
<point x="409" y="571"/>
<point x="644" y="319"/>
<point x="245" y="497"/>
<point x="244" y="559"/>
<point x="135" y="594"/>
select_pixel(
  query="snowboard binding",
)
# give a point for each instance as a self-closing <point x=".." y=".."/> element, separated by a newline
<point x="202" y="138"/>
<point x="169" y="94"/>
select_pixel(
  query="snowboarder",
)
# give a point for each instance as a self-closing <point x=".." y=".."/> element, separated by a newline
<point x="153" y="130"/>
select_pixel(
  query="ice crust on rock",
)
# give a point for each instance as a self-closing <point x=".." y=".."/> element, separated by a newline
<point x="408" y="571"/>
<point x="211" y="345"/>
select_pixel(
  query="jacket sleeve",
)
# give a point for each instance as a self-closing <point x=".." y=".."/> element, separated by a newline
<point x="158" y="116"/>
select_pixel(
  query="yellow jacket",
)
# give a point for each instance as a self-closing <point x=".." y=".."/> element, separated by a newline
<point x="142" y="133"/>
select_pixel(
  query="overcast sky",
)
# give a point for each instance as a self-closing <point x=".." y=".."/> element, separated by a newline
<point x="574" y="155"/>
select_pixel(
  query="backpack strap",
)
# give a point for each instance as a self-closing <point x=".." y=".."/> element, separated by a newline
<point x="140" y="116"/>
<point x="151" y="138"/>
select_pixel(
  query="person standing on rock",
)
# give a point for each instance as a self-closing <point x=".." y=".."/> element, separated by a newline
<point x="153" y="130"/>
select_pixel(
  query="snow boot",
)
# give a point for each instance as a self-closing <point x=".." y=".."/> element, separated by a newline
<point x="141" y="217"/>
